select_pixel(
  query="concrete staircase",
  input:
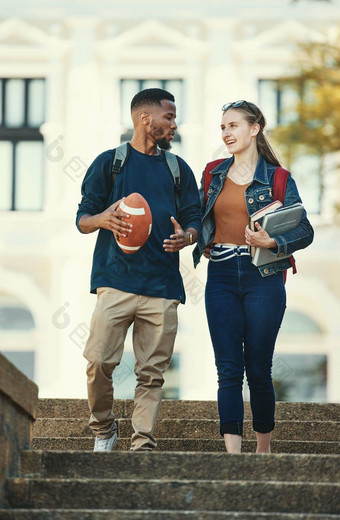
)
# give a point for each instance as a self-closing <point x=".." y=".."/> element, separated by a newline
<point x="189" y="476"/>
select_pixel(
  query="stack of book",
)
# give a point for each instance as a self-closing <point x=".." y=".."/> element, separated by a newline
<point x="275" y="219"/>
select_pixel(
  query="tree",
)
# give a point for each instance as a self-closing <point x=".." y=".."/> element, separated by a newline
<point x="316" y="128"/>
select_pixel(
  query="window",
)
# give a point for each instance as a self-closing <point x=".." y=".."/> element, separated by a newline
<point x="277" y="102"/>
<point x="300" y="377"/>
<point x="22" y="106"/>
<point x="17" y="328"/>
<point x="14" y="315"/>
<point x="130" y="87"/>
<point x="295" y="322"/>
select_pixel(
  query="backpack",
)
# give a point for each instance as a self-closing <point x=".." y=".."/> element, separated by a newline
<point x="121" y="154"/>
<point x="279" y="191"/>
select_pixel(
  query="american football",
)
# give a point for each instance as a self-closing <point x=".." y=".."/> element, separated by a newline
<point x="140" y="218"/>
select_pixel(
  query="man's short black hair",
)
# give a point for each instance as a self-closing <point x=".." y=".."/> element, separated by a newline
<point x="150" y="96"/>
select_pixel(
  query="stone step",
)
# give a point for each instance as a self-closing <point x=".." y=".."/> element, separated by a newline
<point x="99" y="514"/>
<point x="167" y="466"/>
<point x="201" y="445"/>
<point x="190" y="409"/>
<point x="193" y="429"/>
<point x="215" y="495"/>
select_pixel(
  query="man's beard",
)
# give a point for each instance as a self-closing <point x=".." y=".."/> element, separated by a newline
<point x="161" y="142"/>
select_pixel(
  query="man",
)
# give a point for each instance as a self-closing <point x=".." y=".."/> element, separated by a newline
<point x="143" y="288"/>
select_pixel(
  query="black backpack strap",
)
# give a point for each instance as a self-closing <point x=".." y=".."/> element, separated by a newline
<point x="174" y="167"/>
<point x="120" y="155"/>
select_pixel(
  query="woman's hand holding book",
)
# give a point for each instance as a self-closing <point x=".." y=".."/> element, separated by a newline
<point x="259" y="238"/>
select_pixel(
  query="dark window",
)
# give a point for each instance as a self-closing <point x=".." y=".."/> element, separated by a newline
<point x="300" y="377"/>
<point x="16" y="318"/>
<point x="22" y="107"/>
<point x="14" y="315"/>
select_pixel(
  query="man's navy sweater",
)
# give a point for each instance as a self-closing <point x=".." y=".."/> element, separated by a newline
<point x="150" y="271"/>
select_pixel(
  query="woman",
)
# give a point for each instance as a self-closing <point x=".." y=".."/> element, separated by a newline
<point x="245" y="304"/>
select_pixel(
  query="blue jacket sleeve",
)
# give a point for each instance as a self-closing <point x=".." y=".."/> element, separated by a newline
<point x="96" y="187"/>
<point x="300" y="237"/>
<point x="189" y="207"/>
<point x="201" y="195"/>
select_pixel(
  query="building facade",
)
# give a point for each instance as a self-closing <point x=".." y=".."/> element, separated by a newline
<point x="68" y="71"/>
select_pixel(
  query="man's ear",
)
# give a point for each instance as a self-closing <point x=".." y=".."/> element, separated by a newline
<point x="144" y="118"/>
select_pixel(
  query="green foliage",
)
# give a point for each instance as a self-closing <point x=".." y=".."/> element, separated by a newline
<point x="316" y="79"/>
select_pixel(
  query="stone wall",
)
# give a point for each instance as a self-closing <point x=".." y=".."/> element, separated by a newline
<point x="18" y="405"/>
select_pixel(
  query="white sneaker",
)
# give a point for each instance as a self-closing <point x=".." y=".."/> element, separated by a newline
<point x="105" y="444"/>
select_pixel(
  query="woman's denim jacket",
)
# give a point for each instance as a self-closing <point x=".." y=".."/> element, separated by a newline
<point x="258" y="195"/>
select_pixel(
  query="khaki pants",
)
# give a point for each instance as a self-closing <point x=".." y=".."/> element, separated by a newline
<point x="154" y="332"/>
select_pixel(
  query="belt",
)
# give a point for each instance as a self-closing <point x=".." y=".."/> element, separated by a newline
<point x="221" y="252"/>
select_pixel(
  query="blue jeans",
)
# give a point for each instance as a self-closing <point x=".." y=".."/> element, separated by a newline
<point x="244" y="312"/>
